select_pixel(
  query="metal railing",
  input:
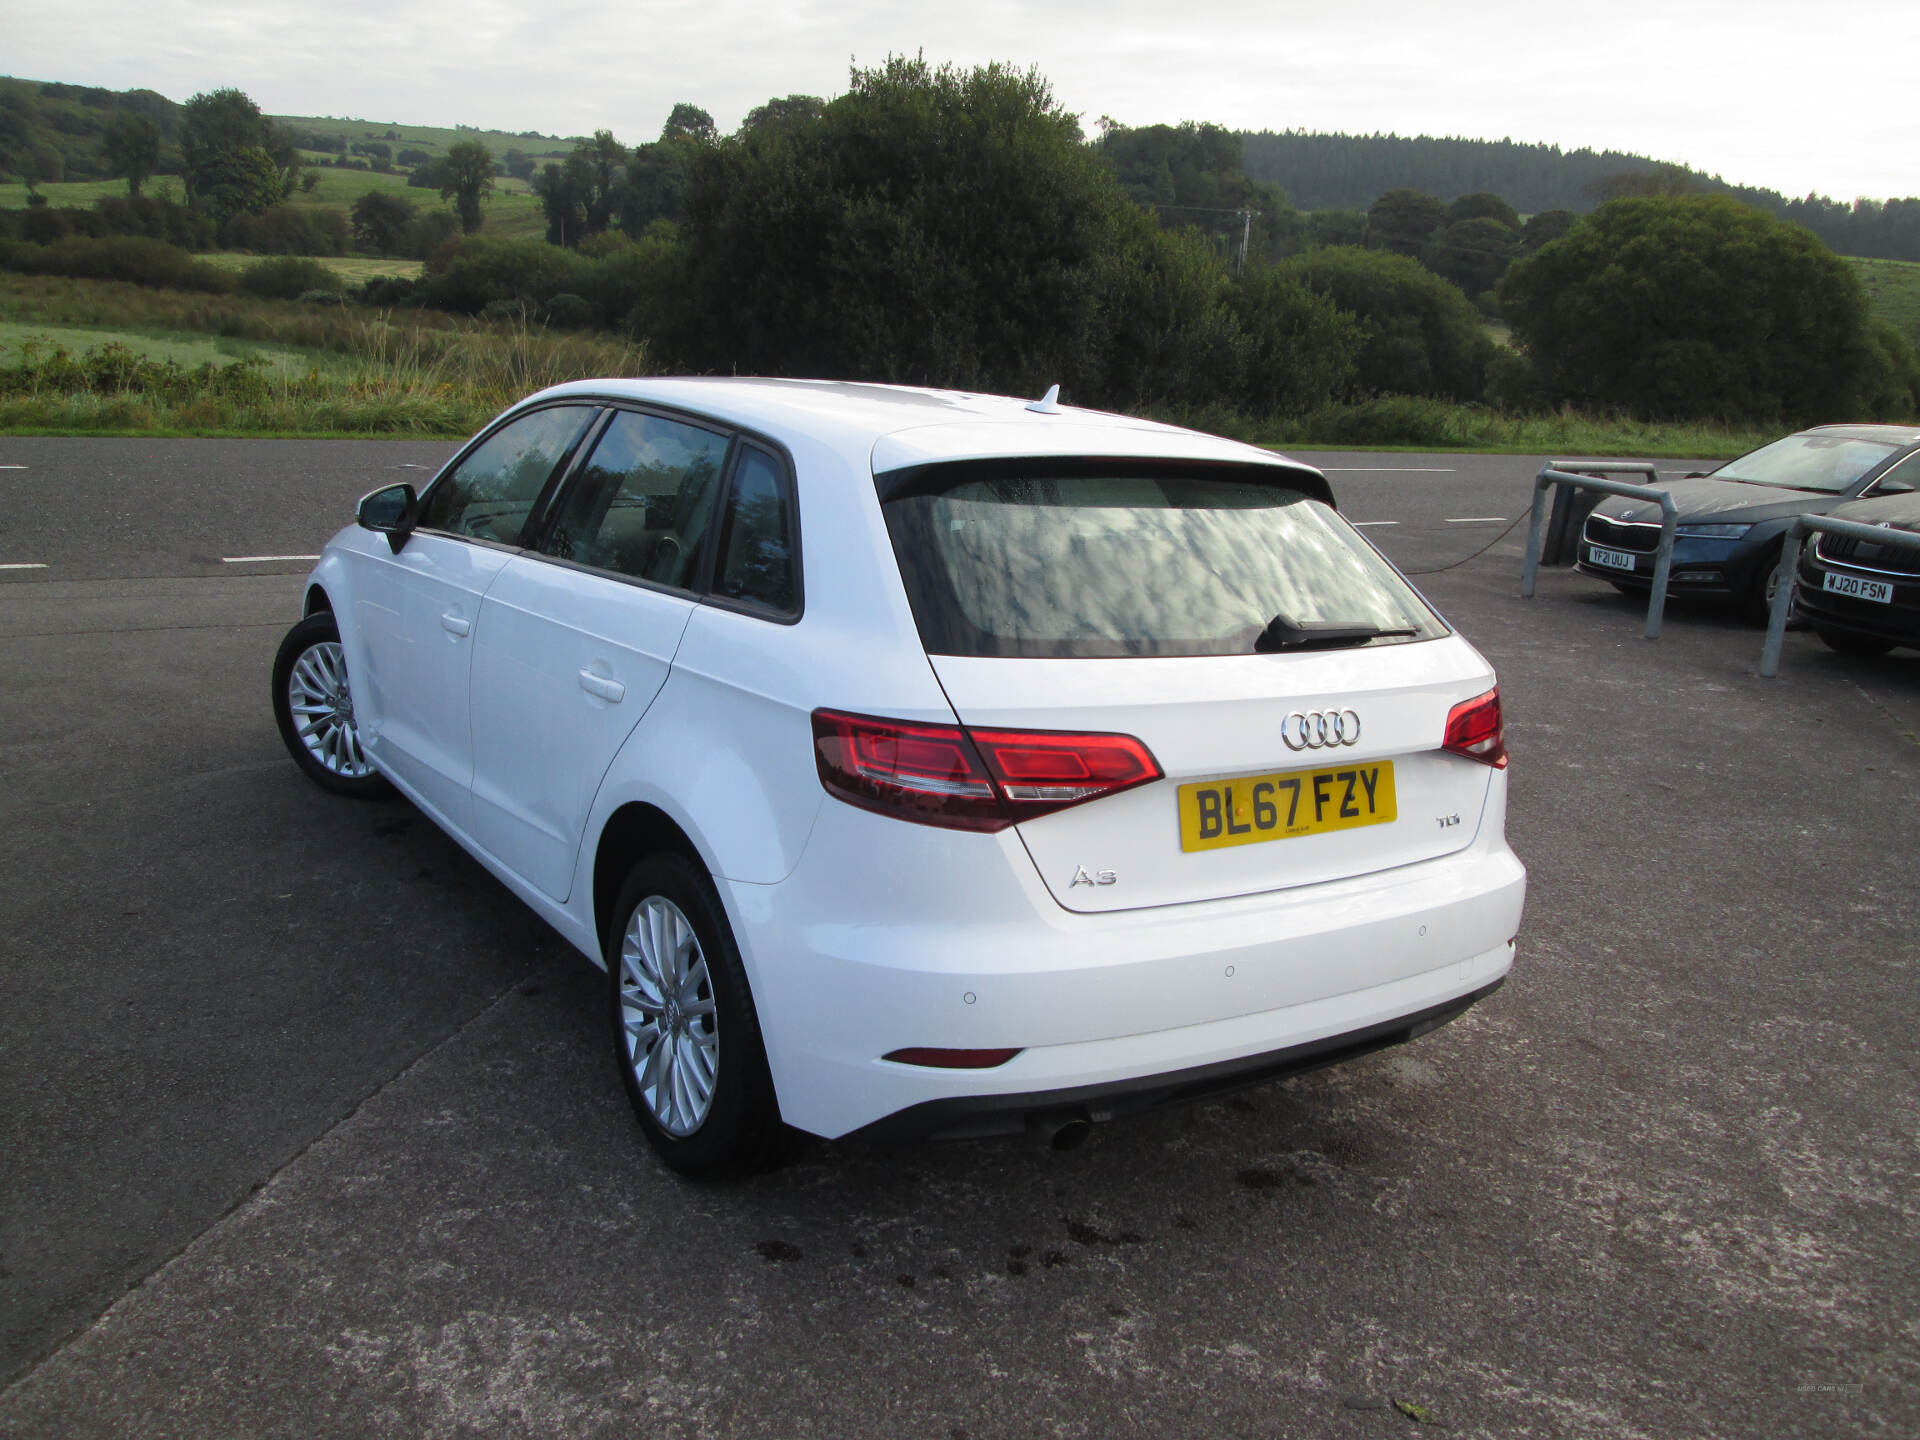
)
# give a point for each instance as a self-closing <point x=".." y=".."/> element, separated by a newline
<point x="1803" y="526"/>
<point x="1561" y="472"/>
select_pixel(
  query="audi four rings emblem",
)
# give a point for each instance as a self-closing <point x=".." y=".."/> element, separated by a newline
<point x="1320" y="729"/>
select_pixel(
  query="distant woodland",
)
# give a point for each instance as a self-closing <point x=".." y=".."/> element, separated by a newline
<point x="1349" y="172"/>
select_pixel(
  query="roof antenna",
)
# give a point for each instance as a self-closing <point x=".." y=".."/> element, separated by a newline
<point x="1047" y="404"/>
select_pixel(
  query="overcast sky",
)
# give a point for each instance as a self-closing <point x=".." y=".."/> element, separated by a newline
<point x="1796" y="97"/>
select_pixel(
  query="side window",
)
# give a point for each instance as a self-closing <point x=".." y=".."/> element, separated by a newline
<point x="642" y="503"/>
<point x="756" y="549"/>
<point x="490" y="495"/>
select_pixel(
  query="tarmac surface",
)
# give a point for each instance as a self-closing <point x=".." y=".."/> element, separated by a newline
<point x="307" y="1127"/>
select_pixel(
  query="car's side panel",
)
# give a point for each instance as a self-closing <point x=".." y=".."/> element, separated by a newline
<point x="565" y="664"/>
<point x="414" y="613"/>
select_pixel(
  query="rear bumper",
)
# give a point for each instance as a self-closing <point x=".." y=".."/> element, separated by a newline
<point x="972" y="1116"/>
<point x="890" y="935"/>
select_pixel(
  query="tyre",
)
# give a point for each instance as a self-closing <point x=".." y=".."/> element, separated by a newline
<point x="314" y="710"/>
<point x="685" y="1034"/>
<point x="1848" y="643"/>
<point x="1757" y="604"/>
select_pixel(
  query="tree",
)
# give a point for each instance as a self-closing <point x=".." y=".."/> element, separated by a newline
<point x="237" y="181"/>
<point x="381" y="220"/>
<point x="1423" y="337"/>
<point x="1473" y="254"/>
<point x="689" y="121"/>
<point x="1673" y="307"/>
<point x="217" y="128"/>
<point x="1404" y="221"/>
<point x="1483" y="205"/>
<point x="784" y="114"/>
<point x="950" y="227"/>
<point x="132" y="145"/>
<point x="466" y="174"/>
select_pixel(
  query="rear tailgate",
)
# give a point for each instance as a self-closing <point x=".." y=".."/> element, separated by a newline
<point x="1390" y="797"/>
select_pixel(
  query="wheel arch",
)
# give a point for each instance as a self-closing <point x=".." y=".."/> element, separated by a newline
<point x="317" y="601"/>
<point x="631" y="833"/>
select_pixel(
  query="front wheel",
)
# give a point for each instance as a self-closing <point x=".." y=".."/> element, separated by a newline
<point x="1757" y="604"/>
<point x="685" y="1033"/>
<point x="313" y="707"/>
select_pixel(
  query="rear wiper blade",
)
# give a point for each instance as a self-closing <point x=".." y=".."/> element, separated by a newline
<point x="1283" y="633"/>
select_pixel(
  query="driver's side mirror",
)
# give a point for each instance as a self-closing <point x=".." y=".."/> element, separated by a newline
<point x="391" y="511"/>
<point x="1893" y="487"/>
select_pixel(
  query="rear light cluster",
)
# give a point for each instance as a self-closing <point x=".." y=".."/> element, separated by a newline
<point x="963" y="778"/>
<point x="1475" y="730"/>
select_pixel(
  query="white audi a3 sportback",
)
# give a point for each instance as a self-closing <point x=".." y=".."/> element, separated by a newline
<point x="919" y="762"/>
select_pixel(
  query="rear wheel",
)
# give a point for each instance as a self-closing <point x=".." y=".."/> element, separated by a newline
<point x="685" y="1033"/>
<point x="1848" y="643"/>
<point x="313" y="707"/>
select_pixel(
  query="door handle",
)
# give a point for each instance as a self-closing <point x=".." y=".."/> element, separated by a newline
<point x="603" y="687"/>
<point x="455" y="624"/>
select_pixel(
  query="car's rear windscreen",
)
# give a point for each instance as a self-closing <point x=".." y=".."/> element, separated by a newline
<point x="1083" y="559"/>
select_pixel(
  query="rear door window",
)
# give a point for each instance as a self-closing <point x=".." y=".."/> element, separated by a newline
<point x="643" y="501"/>
<point x="1046" y="560"/>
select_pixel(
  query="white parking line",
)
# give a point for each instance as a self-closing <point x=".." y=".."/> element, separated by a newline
<point x="12" y="467"/>
<point x="1363" y="524"/>
<point x="1477" y="520"/>
<point x="1386" y="470"/>
<point x="261" y="559"/>
<point x="24" y="565"/>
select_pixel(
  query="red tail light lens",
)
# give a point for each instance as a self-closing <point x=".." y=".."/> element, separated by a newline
<point x="1475" y="730"/>
<point x="964" y="779"/>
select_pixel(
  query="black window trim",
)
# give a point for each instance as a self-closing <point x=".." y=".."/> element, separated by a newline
<point x="723" y="532"/>
<point x="537" y="513"/>
<point x="547" y="508"/>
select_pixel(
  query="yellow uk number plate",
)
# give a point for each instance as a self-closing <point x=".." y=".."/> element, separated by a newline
<point x="1251" y="808"/>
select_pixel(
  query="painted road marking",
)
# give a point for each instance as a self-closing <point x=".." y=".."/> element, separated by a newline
<point x="1363" y="524"/>
<point x="1385" y="470"/>
<point x="261" y="559"/>
<point x="12" y="467"/>
<point x="24" y="565"/>
<point x="1478" y="520"/>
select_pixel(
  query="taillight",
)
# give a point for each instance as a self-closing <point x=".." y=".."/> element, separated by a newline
<point x="965" y="779"/>
<point x="1475" y="730"/>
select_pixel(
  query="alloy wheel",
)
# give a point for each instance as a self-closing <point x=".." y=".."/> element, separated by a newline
<point x="671" y="1034"/>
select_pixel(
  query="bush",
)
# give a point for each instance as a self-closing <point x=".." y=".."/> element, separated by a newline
<point x="286" y="277"/>
<point x="155" y="217"/>
<point x="133" y="258"/>
<point x="1423" y="336"/>
<point x="283" y="230"/>
<point x="481" y="270"/>
<point x="567" y="311"/>
<point x="387" y="291"/>
<point x="322" y="297"/>
<point x="1674" y="307"/>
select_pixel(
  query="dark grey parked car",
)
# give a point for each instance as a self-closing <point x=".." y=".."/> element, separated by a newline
<point x="1863" y="598"/>
<point x="1732" y="520"/>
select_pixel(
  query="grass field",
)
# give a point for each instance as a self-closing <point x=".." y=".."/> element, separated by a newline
<point x="305" y="369"/>
<point x="357" y="268"/>
<point x="181" y="347"/>
<point x="1893" y="292"/>
<point x="512" y="210"/>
